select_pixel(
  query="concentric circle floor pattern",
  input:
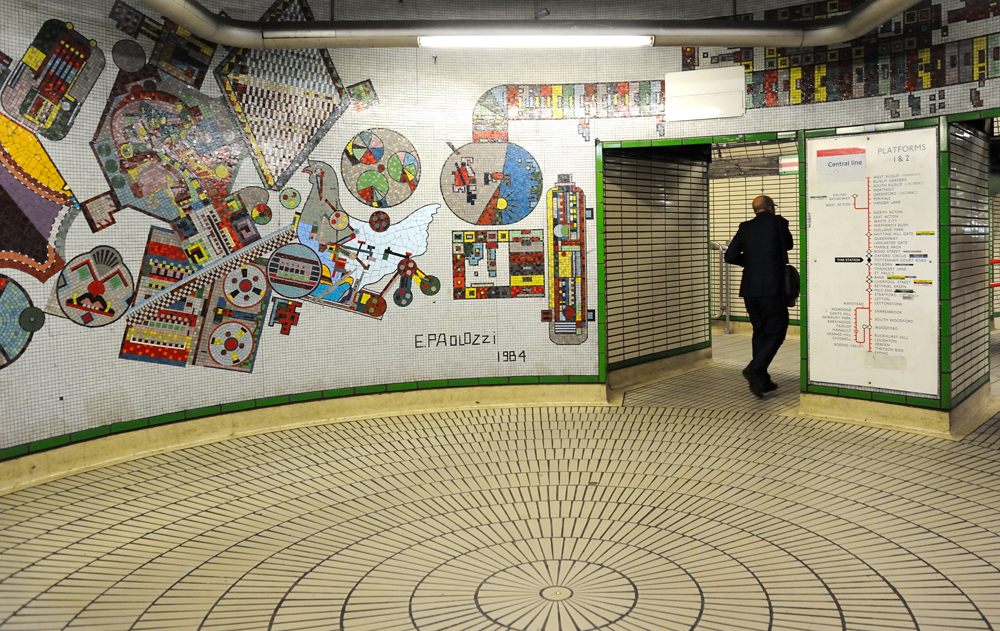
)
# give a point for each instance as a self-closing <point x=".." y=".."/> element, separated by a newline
<point x="520" y="519"/>
<point x="551" y="519"/>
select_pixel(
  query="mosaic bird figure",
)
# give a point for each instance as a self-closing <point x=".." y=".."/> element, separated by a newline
<point x="351" y="249"/>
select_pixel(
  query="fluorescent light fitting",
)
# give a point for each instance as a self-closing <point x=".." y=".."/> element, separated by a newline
<point x="533" y="41"/>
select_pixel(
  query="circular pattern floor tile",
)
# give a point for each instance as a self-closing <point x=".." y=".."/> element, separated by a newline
<point x="555" y="519"/>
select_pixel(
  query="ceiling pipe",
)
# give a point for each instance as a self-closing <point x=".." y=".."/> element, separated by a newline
<point x="194" y="17"/>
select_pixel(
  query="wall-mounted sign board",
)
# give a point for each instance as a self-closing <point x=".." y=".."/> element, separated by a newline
<point x="872" y="243"/>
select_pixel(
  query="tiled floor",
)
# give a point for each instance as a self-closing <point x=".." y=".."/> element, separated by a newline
<point x="704" y="509"/>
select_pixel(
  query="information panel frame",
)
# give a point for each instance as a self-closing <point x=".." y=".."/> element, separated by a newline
<point x="872" y="225"/>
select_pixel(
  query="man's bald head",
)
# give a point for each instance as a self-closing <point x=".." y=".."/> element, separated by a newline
<point x="763" y="204"/>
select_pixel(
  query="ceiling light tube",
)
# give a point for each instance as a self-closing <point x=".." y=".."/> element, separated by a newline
<point x="534" y="41"/>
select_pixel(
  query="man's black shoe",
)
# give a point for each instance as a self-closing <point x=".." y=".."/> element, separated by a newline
<point x="754" y="382"/>
<point x="769" y="386"/>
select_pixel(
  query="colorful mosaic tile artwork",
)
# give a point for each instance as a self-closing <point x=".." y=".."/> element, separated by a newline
<point x="285" y="100"/>
<point x="380" y="168"/>
<point x="582" y="101"/>
<point x="524" y="276"/>
<point x="567" y="247"/>
<point x="18" y="320"/>
<point x="356" y="255"/>
<point x="491" y="184"/>
<point x="35" y="204"/>
<point x="209" y="318"/>
<point x="172" y="153"/>
<point x="50" y="84"/>
<point x="94" y="289"/>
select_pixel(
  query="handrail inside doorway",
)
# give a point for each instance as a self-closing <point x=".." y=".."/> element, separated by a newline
<point x="725" y="275"/>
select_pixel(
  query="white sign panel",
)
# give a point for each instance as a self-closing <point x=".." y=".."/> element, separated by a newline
<point x="715" y="93"/>
<point x="872" y="230"/>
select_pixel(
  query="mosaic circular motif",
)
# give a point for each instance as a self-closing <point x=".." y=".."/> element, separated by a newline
<point x="430" y="285"/>
<point x="261" y="214"/>
<point x="246" y="286"/>
<point x="290" y="198"/>
<point x="96" y="288"/>
<point x="491" y="183"/>
<point x="379" y="221"/>
<point x="294" y="270"/>
<point x="16" y="322"/>
<point x="128" y="55"/>
<point x="231" y="344"/>
<point x="380" y="168"/>
<point x="31" y="319"/>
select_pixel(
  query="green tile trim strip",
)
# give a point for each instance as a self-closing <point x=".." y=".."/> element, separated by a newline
<point x="88" y="434"/>
<point x="854" y="394"/>
<point x="13" y="452"/>
<point x="921" y="122"/>
<point x="237" y="406"/>
<point x="49" y="443"/>
<point x="128" y="426"/>
<point x="400" y="387"/>
<point x="635" y="361"/>
<point x="206" y="411"/>
<point x="167" y="418"/>
<point x="269" y="401"/>
<point x="966" y="116"/>
<point x="726" y="139"/>
<point x="631" y="144"/>
<point x="818" y="133"/>
<point x="923" y="403"/>
<point x="755" y="137"/>
<point x="707" y="140"/>
<point x="174" y="417"/>
<point x="667" y="142"/>
<point x="602" y="319"/>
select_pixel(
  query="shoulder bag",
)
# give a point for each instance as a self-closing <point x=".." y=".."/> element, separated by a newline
<point x="792" y="281"/>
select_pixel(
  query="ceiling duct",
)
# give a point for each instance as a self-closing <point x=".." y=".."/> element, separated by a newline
<point x="191" y="15"/>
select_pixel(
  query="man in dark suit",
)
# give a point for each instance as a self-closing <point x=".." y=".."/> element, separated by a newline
<point x="761" y="247"/>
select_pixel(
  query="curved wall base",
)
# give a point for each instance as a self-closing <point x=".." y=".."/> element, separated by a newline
<point x="49" y="465"/>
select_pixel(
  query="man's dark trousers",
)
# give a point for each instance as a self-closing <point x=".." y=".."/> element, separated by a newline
<point x="769" y="317"/>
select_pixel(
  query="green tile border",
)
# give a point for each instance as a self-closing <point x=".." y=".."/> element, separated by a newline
<point x="634" y="144"/>
<point x="402" y="387"/>
<point x="88" y="434"/>
<point x="602" y="316"/>
<point x="819" y="133"/>
<point x="49" y="443"/>
<point x="705" y="140"/>
<point x="854" y="394"/>
<point x="173" y="417"/>
<point x="237" y="406"/>
<point x="665" y="142"/>
<point x="336" y="394"/>
<point x="269" y="401"/>
<point x="17" y="451"/>
<point x="128" y="426"/>
<point x="205" y="411"/>
<point x="13" y="452"/>
<point x="756" y="137"/>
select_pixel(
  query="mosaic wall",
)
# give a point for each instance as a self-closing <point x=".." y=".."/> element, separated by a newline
<point x="320" y="220"/>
